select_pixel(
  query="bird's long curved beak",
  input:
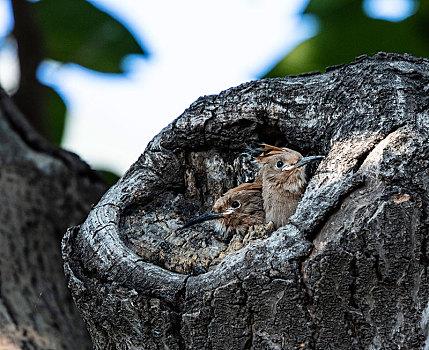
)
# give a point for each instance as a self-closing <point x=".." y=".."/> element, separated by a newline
<point x="305" y="160"/>
<point x="211" y="215"/>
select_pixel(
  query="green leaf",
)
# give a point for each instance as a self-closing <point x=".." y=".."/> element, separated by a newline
<point x="109" y="178"/>
<point x="346" y="32"/>
<point x="55" y="115"/>
<point x="76" y="31"/>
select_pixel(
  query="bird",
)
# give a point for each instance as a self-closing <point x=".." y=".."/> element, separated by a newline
<point x="282" y="176"/>
<point x="236" y="211"/>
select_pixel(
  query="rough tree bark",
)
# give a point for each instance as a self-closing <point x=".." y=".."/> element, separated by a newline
<point x="43" y="191"/>
<point x="349" y="272"/>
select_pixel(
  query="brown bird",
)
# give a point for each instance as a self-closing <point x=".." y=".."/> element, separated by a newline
<point x="236" y="211"/>
<point x="282" y="175"/>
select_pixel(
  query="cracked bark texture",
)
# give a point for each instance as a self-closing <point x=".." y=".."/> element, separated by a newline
<point x="349" y="272"/>
<point x="43" y="191"/>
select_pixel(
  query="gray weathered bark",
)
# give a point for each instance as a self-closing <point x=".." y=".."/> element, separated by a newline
<point x="43" y="191"/>
<point x="349" y="272"/>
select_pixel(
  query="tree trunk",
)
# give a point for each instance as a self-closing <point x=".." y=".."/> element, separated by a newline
<point x="348" y="272"/>
<point x="43" y="191"/>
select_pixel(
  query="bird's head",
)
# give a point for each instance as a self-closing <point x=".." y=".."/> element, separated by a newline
<point x="237" y="210"/>
<point x="284" y="168"/>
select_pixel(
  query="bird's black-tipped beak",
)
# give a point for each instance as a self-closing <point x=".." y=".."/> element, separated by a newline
<point x="211" y="215"/>
<point x="305" y="160"/>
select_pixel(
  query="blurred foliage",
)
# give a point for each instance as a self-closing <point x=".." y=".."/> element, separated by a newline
<point x="346" y="32"/>
<point x="65" y="31"/>
<point x="76" y="31"/>
<point x="55" y="115"/>
<point x="108" y="177"/>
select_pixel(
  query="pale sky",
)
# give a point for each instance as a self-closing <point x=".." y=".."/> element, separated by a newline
<point x="196" y="48"/>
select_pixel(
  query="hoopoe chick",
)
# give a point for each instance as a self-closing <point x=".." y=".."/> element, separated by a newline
<point x="236" y="211"/>
<point x="282" y="175"/>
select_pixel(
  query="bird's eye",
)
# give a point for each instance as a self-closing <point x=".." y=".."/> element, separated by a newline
<point x="279" y="164"/>
<point x="235" y="204"/>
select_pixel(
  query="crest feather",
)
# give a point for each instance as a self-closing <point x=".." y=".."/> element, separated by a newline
<point x="247" y="186"/>
<point x="268" y="151"/>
